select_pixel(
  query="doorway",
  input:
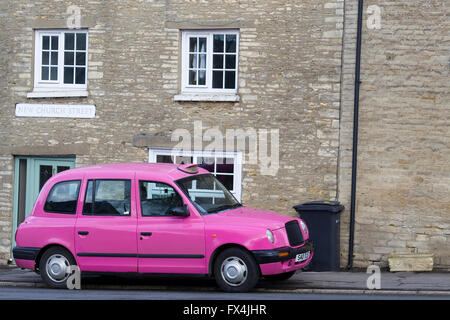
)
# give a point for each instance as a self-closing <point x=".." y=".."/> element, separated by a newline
<point x="30" y="175"/>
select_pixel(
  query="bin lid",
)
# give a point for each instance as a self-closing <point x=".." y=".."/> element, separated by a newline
<point x="323" y="205"/>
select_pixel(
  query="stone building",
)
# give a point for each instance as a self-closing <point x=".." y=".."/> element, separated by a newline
<point x="90" y="82"/>
<point x="403" y="178"/>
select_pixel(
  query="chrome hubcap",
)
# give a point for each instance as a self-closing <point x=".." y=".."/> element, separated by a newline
<point x="234" y="271"/>
<point x="57" y="268"/>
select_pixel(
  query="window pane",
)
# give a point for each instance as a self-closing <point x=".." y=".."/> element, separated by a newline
<point x="54" y="42"/>
<point x="112" y="198"/>
<point x="45" y="57"/>
<point x="45" y="173"/>
<point x="44" y="74"/>
<point x="227" y="181"/>
<point x="80" y="75"/>
<point x="69" y="41"/>
<point x="225" y="165"/>
<point x="218" y="61"/>
<point x="183" y="160"/>
<point x="81" y="58"/>
<point x="45" y="42"/>
<point x="230" y="79"/>
<point x="68" y="75"/>
<point x="207" y="164"/>
<point x="68" y="58"/>
<point x="81" y="41"/>
<point x="63" y="198"/>
<point x="54" y="73"/>
<point x="206" y="184"/>
<point x="218" y="43"/>
<point x="157" y="199"/>
<point x="163" y="159"/>
<point x="202" y="44"/>
<point x="202" y="61"/>
<point x="231" y="43"/>
<point x="202" y="77"/>
<point x="54" y="60"/>
<point x="87" y="207"/>
<point x="230" y="61"/>
<point x="192" y="44"/>
<point x="62" y="168"/>
<point x="192" y="77"/>
<point x="218" y="79"/>
<point x="201" y="187"/>
<point x="193" y="61"/>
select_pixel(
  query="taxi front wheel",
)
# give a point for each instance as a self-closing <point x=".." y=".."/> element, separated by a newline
<point x="235" y="270"/>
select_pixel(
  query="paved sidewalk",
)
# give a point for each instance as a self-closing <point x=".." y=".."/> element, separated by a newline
<point x="314" y="282"/>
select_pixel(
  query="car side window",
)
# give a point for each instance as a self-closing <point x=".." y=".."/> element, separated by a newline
<point x="107" y="198"/>
<point x="63" y="197"/>
<point x="157" y="199"/>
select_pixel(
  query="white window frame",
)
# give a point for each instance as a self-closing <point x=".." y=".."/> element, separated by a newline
<point x="237" y="160"/>
<point x="207" y="88"/>
<point x="52" y="88"/>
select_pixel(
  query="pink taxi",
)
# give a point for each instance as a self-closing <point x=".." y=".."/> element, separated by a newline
<point x="160" y="219"/>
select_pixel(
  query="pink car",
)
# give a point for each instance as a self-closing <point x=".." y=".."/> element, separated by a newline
<point x="156" y="218"/>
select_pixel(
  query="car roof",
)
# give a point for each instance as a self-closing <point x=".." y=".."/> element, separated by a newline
<point x="154" y="170"/>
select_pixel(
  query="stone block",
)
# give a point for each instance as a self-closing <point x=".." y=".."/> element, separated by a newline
<point x="411" y="262"/>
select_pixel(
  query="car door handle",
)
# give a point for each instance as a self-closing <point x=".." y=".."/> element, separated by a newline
<point x="148" y="234"/>
<point x="83" y="233"/>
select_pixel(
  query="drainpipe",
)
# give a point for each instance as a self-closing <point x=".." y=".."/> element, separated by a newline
<point x="355" y="135"/>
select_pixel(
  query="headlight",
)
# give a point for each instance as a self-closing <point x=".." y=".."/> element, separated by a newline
<point x="269" y="235"/>
<point x="304" y="227"/>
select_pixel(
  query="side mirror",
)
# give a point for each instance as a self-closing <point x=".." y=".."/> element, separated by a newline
<point x="182" y="211"/>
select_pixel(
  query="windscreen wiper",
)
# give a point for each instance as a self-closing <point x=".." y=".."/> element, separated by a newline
<point x="224" y="207"/>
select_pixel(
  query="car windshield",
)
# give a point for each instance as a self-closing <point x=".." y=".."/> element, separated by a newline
<point x="207" y="194"/>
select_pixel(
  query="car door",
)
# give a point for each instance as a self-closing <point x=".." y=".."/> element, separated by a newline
<point x="168" y="243"/>
<point x="105" y="232"/>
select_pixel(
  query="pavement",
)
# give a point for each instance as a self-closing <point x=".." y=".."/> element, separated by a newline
<point x="402" y="283"/>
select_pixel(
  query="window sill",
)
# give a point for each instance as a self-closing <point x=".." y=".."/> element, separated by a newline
<point x="57" y="94"/>
<point x="215" y="97"/>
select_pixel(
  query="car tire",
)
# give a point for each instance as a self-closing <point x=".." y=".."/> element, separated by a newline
<point x="53" y="267"/>
<point x="236" y="270"/>
<point x="281" y="276"/>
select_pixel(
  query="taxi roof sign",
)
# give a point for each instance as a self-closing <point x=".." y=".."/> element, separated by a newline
<point x="188" y="168"/>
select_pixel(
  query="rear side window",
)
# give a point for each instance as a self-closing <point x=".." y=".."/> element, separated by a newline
<point x="108" y="198"/>
<point x="63" y="197"/>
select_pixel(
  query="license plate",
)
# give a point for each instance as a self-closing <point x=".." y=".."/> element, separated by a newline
<point x="302" y="256"/>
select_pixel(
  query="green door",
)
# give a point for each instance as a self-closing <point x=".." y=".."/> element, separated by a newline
<point x="31" y="173"/>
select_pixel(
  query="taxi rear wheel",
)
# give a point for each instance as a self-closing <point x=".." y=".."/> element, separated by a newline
<point x="54" y="267"/>
<point x="235" y="270"/>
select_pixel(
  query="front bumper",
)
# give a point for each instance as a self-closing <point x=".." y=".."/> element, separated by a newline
<point x="273" y="255"/>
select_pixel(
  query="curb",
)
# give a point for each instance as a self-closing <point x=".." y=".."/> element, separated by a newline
<point x="262" y="290"/>
<point x="22" y="284"/>
<point x="359" y="291"/>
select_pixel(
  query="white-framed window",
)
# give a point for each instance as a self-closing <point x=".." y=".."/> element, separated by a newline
<point x="210" y="61"/>
<point x="60" y="60"/>
<point x="226" y="166"/>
